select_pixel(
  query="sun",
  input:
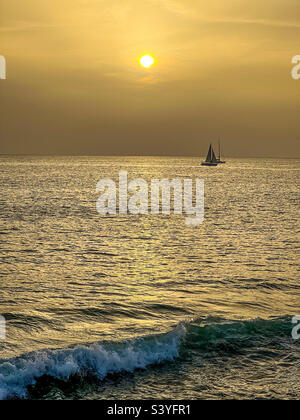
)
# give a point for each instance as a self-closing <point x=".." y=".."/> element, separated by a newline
<point x="146" y="61"/>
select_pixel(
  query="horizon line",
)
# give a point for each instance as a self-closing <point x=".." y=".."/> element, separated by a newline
<point x="133" y="155"/>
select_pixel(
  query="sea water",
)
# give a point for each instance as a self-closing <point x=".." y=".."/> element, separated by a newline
<point x="144" y="306"/>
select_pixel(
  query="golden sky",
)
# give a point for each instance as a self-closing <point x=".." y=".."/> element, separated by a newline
<point x="222" y="69"/>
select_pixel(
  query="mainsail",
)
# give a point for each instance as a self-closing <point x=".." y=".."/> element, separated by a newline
<point x="208" y="157"/>
<point x="211" y="157"/>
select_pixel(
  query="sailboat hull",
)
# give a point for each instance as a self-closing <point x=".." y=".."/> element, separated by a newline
<point x="209" y="164"/>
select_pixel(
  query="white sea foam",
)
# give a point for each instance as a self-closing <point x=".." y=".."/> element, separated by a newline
<point x="99" y="359"/>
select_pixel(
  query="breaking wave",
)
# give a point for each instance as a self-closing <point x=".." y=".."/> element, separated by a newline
<point x="99" y="359"/>
<point x="206" y="336"/>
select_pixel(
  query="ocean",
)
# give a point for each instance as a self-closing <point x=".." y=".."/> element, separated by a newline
<point x="144" y="306"/>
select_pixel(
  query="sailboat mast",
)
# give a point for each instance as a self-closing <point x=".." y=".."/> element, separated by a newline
<point x="219" y="150"/>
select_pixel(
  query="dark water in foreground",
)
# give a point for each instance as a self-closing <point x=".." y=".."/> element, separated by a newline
<point x="145" y="306"/>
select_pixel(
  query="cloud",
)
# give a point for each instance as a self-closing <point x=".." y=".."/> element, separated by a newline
<point x="258" y="12"/>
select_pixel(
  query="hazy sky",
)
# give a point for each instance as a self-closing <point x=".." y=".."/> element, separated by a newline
<point x="223" y="69"/>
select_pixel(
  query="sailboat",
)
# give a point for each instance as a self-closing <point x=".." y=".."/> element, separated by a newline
<point x="211" y="159"/>
<point x="219" y="158"/>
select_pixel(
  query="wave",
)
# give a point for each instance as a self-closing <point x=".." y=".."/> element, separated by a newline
<point x="202" y="335"/>
<point x="216" y="335"/>
<point x="99" y="359"/>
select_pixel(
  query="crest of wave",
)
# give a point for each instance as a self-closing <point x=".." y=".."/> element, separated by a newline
<point x="99" y="359"/>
